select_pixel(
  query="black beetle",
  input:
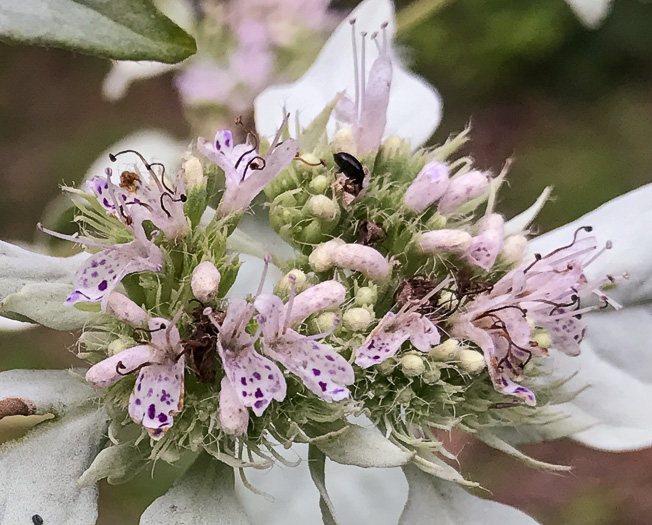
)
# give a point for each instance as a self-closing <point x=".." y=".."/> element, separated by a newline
<point x="351" y="167"/>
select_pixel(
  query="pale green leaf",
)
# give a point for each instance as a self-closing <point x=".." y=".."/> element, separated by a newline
<point x="363" y="447"/>
<point x="317" y="466"/>
<point x="118" y="29"/>
<point x="38" y="473"/>
<point x="432" y="500"/>
<point x="117" y="463"/>
<point x="497" y="443"/>
<point x="204" y="495"/>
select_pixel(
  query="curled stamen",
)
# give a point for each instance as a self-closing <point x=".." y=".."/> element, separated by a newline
<point x="253" y="166"/>
<point x="120" y="366"/>
<point x="322" y="162"/>
<point x="488" y="313"/>
<point x="148" y="166"/>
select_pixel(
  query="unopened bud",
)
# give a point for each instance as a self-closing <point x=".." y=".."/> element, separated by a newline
<point x="428" y="187"/>
<point x="471" y="361"/>
<point x="323" y="208"/>
<point x="366" y="295"/>
<point x="322" y="257"/>
<point x="412" y="365"/>
<point x="319" y="184"/>
<point x="449" y="241"/>
<point x="234" y="417"/>
<point x="405" y="396"/>
<point x="514" y="248"/>
<point x="436" y="222"/>
<point x="363" y="259"/>
<point x="193" y="173"/>
<point x="431" y="376"/>
<point x="393" y="146"/>
<point x="300" y="282"/>
<point x="125" y="310"/>
<point x="205" y="281"/>
<point x="542" y="339"/>
<point x="324" y="322"/>
<point x="357" y="319"/>
<point x="463" y="189"/>
<point x="447" y="351"/>
<point x="344" y="141"/>
<point x="386" y="367"/>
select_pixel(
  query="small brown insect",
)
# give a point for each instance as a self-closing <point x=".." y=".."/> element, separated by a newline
<point x="369" y="233"/>
<point x="129" y="181"/>
<point x="201" y="346"/>
<point x="414" y="290"/>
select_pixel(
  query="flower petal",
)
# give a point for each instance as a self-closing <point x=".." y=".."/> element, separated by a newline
<point x="381" y="344"/>
<point x="591" y="12"/>
<point x="430" y="496"/>
<point x="322" y="296"/>
<point x="414" y="109"/>
<point x="359" y="495"/>
<point x="112" y="369"/>
<point x="205" y="494"/>
<point x="158" y="397"/>
<point x="38" y="473"/>
<point x="615" y="364"/>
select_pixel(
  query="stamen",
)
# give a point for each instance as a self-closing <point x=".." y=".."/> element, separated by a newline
<point x="288" y="306"/>
<point x="322" y="162"/>
<point x="120" y="366"/>
<point x="173" y="323"/>
<point x="363" y="72"/>
<point x="356" y="73"/>
<point x="608" y="245"/>
<point x="73" y="238"/>
<point x="268" y="259"/>
<point x="383" y="27"/>
<point x="375" y="39"/>
<point x="253" y="166"/>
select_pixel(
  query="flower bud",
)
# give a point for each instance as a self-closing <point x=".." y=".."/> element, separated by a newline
<point x="463" y="189"/>
<point x="319" y="184"/>
<point x="234" y="417"/>
<point x="344" y="141"/>
<point x="514" y="248"/>
<point x="125" y="310"/>
<point x="436" y="222"/>
<point x="471" y="361"/>
<point x="285" y="284"/>
<point x="486" y="246"/>
<point x="431" y="376"/>
<point x="322" y="258"/>
<point x="364" y="259"/>
<point x="542" y="339"/>
<point x="357" y="319"/>
<point x="310" y="162"/>
<point x="205" y="281"/>
<point x="447" y="351"/>
<point x="324" y="322"/>
<point x="393" y="146"/>
<point x="366" y="295"/>
<point x="386" y="367"/>
<point x="405" y="396"/>
<point x="412" y="365"/>
<point x="193" y="173"/>
<point x="450" y="241"/>
<point x="323" y="208"/>
<point x="428" y="187"/>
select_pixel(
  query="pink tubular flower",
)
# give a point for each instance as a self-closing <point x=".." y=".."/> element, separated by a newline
<point x="247" y="173"/>
<point x="158" y="394"/>
<point x="428" y="187"/>
<point x="255" y="379"/>
<point x="486" y="246"/>
<point x="320" y="367"/>
<point x="394" y="329"/>
<point x="544" y="293"/>
<point x="367" y="113"/>
<point x="462" y="189"/>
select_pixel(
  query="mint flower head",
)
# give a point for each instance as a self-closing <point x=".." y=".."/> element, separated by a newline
<point x="379" y="298"/>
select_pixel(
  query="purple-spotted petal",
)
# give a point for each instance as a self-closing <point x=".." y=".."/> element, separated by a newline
<point x="157" y="397"/>
<point x="381" y="344"/>
<point x="234" y="416"/>
<point x="256" y="379"/>
<point x="320" y="367"/>
<point x="486" y="246"/>
<point x="422" y="331"/>
<point x="103" y="271"/>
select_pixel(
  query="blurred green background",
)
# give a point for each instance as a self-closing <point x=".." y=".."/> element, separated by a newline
<point x="573" y="107"/>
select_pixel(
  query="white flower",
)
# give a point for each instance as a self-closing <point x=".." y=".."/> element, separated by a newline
<point x="591" y="12"/>
<point x="414" y="109"/>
